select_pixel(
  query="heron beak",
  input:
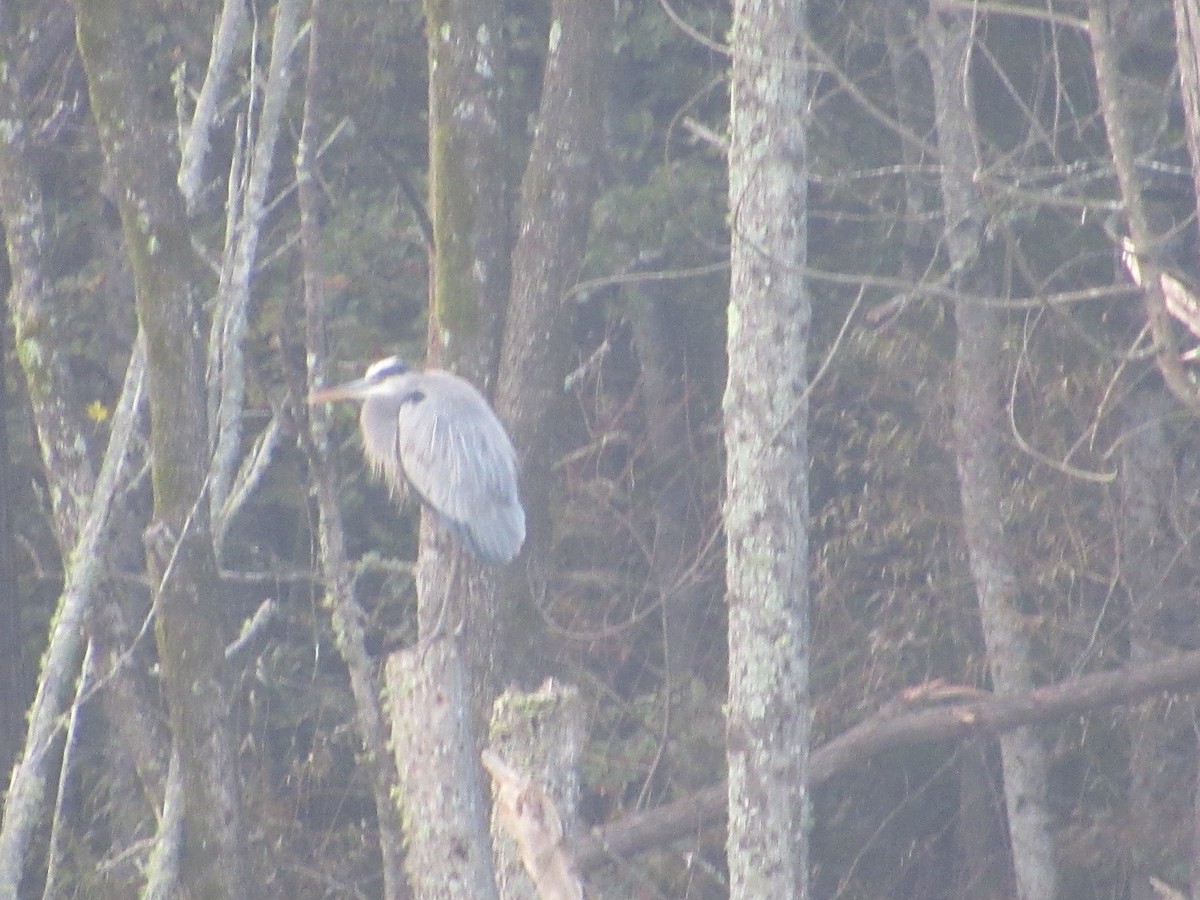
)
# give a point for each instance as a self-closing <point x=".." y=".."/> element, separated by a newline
<point x="351" y="390"/>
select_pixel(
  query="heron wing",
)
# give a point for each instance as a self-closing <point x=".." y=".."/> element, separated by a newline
<point x="458" y="457"/>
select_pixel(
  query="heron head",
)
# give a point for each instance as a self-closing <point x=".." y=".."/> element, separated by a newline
<point x="378" y="380"/>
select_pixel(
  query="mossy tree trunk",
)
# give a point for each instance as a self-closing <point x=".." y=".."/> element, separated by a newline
<point x="80" y="509"/>
<point x="468" y="192"/>
<point x="472" y="260"/>
<point x="766" y="441"/>
<point x="136" y="139"/>
<point x="469" y="265"/>
<point x="68" y="470"/>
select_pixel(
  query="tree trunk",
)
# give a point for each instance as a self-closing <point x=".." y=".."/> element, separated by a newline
<point x="14" y="685"/>
<point x="1187" y="45"/>
<point x="982" y="869"/>
<point x="449" y="855"/>
<point x="557" y="193"/>
<point x="1146" y="551"/>
<point x="766" y="428"/>
<point x="137" y="150"/>
<point x="1119" y="113"/>
<point x="541" y="736"/>
<point x="978" y="387"/>
<point x="469" y="206"/>
<point x="40" y="345"/>
<point x="679" y="545"/>
<point x="442" y="807"/>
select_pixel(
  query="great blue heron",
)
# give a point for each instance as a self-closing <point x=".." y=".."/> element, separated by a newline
<point x="435" y="432"/>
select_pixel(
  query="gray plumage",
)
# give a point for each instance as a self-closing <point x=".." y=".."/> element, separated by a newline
<point x="436" y="433"/>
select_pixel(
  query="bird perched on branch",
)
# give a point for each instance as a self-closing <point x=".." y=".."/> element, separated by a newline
<point x="434" y="432"/>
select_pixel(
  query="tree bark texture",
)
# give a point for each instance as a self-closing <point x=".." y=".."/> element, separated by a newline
<point x="441" y="794"/>
<point x="557" y="192"/>
<point x="540" y="735"/>
<point x="978" y="387"/>
<point x="1187" y="45"/>
<point x="57" y="421"/>
<point x="469" y="292"/>
<point x="139" y="156"/>
<point x="14" y="684"/>
<point x="766" y="421"/>
<point x="442" y="807"/>
<point x="24" y="227"/>
<point x="84" y="570"/>
<point x="40" y="340"/>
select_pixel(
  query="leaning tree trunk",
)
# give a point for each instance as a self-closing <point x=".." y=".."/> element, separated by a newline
<point x="68" y="469"/>
<point x="557" y="192"/>
<point x="978" y="382"/>
<point x="766" y="430"/>
<point x="139" y="158"/>
<point x="80" y="512"/>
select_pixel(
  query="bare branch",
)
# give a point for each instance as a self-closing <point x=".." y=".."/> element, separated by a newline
<point x="195" y="141"/>
<point x="253" y="634"/>
<point x="975" y="8"/>
<point x="895" y="727"/>
<point x="226" y="375"/>
<point x="254" y="466"/>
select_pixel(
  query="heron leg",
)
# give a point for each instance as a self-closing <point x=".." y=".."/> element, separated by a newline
<point x="437" y="632"/>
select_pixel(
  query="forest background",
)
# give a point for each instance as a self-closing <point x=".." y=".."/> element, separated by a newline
<point x="201" y="586"/>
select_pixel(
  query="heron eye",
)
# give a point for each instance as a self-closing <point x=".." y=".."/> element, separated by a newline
<point x="414" y="398"/>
